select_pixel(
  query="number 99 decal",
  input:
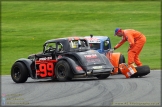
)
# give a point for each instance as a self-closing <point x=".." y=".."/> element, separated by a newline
<point x="45" y="70"/>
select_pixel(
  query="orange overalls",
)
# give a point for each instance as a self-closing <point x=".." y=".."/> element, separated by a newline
<point x="136" y="42"/>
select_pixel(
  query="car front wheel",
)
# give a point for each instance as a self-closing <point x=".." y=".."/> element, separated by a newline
<point x="19" y="72"/>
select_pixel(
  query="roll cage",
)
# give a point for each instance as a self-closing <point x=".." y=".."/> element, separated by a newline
<point x="62" y="45"/>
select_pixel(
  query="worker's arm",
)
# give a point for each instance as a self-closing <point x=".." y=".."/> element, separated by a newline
<point x="120" y="43"/>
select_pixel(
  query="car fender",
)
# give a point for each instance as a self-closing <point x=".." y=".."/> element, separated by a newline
<point x="109" y="64"/>
<point x="114" y="59"/>
<point x="75" y="66"/>
<point x="28" y="64"/>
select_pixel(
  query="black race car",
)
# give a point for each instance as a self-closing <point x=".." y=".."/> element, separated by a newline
<point x="62" y="59"/>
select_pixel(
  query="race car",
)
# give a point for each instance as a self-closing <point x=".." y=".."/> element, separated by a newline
<point x="62" y="59"/>
<point x="102" y="44"/>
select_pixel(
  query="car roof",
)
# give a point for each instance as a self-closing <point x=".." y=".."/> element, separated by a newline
<point x="63" y="39"/>
<point x="103" y="38"/>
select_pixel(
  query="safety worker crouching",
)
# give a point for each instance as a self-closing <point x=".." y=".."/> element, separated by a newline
<point x="136" y="42"/>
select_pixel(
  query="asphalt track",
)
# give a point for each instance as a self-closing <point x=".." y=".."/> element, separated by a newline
<point x="114" y="91"/>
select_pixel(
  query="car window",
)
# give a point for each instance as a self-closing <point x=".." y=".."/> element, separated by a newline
<point x="78" y="44"/>
<point x="106" y="45"/>
<point x="74" y="44"/>
<point x="84" y="43"/>
<point x="50" y="46"/>
<point x="60" y="47"/>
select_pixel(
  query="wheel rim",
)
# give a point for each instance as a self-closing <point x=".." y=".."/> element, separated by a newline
<point x="61" y="71"/>
<point x="16" y="73"/>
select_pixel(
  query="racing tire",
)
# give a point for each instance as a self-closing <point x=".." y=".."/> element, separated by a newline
<point x="141" y="71"/>
<point x="63" y="71"/>
<point x="19" y="72"/>
<point x="103" y="76"/>
<point x="121" y="60"/>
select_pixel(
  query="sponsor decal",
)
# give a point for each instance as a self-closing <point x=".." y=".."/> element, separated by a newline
<point x="97" y="67"/>
<point x="92" y="59"/>
<point x="59" y="56"/>
<point x="45" y="58"/>
<point x="90" y="56"/>
<point x="93" y="40"/>
<point x="79" y="68"/>
<point x="131" y="70"/>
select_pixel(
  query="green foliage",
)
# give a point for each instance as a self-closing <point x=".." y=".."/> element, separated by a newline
<point x="26" y="25"/>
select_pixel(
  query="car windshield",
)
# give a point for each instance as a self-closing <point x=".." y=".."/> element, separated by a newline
<point x="94" y="46"/>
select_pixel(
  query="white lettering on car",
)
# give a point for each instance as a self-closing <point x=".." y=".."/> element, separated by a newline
<point x="90" y="56"/>
<point x="46" y="58"/>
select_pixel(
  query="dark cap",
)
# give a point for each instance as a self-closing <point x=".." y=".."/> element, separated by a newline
<point x="116" y="31"/>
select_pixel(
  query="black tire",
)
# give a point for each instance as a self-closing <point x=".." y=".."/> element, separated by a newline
<point x="63" y="71"/>
<point x="19" y="72"/>
<point x="121" y="60"/>
<point x="103" y="76"/>
<point x="141" y="71"/>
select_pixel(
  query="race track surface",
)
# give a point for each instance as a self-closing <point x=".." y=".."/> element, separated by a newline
<point x="114" y="91"/>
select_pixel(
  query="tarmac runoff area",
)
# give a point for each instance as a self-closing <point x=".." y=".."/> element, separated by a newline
<point x="116" y="90"/>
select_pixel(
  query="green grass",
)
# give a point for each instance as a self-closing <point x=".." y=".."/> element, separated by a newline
<point x="26" y="25"/>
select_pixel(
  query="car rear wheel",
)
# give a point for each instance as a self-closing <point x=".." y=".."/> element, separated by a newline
<point x="141" y="71"/>
<point x="121" y="60"/>
<point x="19" y="72"/>
<point x="63" y="71"/>
<point x="103" y="76"/>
